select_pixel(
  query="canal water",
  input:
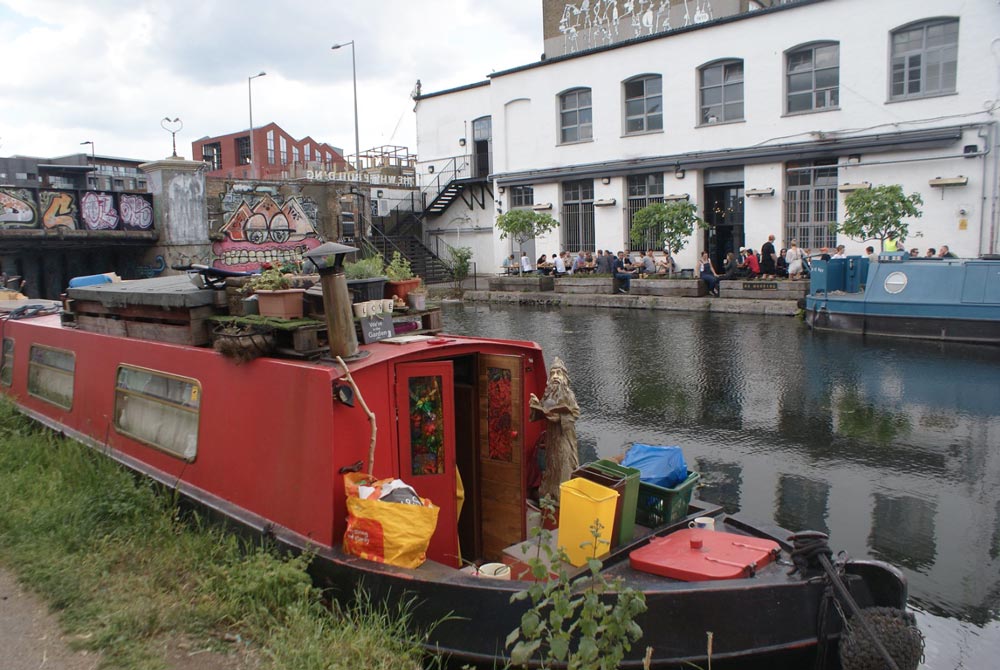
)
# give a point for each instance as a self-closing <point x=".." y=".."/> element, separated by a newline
<point x="891" y="447"/>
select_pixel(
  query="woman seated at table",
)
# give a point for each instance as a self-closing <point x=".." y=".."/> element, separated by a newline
<point x="731" y="269"/>
<point x="543" y="266"/>
<point x="666" y="265"/>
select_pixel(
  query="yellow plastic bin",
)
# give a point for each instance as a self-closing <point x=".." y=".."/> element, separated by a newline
<point x="581" y="502"/>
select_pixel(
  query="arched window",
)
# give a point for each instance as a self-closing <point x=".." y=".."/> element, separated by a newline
<point x="721" y="93"/>
<point x="924" y="59"/>
<point x="644" y="104"/>
<point x="576" y="122"/>
<point x="813" y="78"/>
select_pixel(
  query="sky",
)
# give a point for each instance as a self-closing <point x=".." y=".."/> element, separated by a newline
<point x="109" y="71"/>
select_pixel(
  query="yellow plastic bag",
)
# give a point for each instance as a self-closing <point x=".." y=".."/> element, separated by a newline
<point x="387" y="532"/>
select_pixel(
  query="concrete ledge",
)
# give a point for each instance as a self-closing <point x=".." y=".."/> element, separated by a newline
<point x="631" y="301"/>
<point x="764" y="289"/>
<point x="675" y="288"/>
<point x="528" y="283"/>
<point x="604" y="284"/>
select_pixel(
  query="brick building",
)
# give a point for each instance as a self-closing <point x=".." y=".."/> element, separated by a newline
<point x="278" y="155"/>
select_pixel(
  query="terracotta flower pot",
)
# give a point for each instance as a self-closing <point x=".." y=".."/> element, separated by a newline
<point x="401" y="288"/>
<point x="285" y="304"/>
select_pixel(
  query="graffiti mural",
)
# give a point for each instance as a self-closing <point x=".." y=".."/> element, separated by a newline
<point x="98" y="211"/>
<point x="17" y="208"/>
<point x="264" y="229"/>
<point x="58" y="209"/>
<point x="594" y="23"/>
<point x="136" y="212"/>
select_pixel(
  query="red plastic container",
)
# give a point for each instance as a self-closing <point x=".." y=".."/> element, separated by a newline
<point x="695" y="555"/>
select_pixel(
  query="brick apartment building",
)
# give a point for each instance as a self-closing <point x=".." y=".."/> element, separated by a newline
<point x="278" y="155"/>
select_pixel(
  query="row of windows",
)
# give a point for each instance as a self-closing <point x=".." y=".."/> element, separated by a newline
<point x="212" y="153"/>
<point x="924" y="62"/>
<point x="155" y="408"/>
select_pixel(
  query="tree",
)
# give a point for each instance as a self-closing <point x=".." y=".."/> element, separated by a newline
<point x="459" y="265"/>
<point x="524" y="224"/>
<point x="671" y="223"/>
<point x="878" y="212"/>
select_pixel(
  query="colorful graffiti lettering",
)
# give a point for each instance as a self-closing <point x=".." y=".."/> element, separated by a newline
<point x="58" y="209"/>
<point x="265" y="232"/>
<point x="98" y="211"/>
<point x="17" y="209"/>
<point x="136" y="212"/>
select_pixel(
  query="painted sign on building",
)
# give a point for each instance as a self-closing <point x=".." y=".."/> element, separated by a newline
<point x="264" y="228"/>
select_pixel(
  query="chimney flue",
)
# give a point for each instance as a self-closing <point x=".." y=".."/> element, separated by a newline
<point x="329" y="261"/>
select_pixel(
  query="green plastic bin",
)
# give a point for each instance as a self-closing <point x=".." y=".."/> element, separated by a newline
<point x="629" y="498"/>
<point x="659" y="506"/>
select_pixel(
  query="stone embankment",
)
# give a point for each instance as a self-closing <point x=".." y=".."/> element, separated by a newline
<point x="723" y="305"/>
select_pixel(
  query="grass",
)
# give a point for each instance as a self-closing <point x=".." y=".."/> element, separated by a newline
<point x="125" y="571"/>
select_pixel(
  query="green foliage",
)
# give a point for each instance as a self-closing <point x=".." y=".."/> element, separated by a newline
<point x="877" y="212"/>
<point x="128" y="572"/>
<point x="398" y="268"/>
<point x="524" y="224"/>
<point x="268" y="280"/>
<point x="583" y="624"/>
<point x="365" y="268"/>
<point x="672" y="223"/>
<point x="460" y="264"/>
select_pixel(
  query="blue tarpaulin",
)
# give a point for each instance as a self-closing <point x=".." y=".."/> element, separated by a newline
<point x="662" y="466"/>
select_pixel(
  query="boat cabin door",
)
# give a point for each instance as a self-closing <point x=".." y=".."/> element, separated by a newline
<point x="425" y="402"/>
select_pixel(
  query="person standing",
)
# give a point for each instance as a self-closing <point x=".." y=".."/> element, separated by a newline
<point x="768" y="258"/>
<point x="708" y="275"/>
<point x="890" y="243"/>
<point x="794" y="258"/>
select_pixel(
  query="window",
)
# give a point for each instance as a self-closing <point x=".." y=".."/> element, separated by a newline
<point x="212" y="154"/>
<point x="643" y="104"/>
<point x="813" y="78"/>
<point x="270" y="146"/>
<point x="522" y="196"/>
<point x="308" y="150"/>
<point x="21" y="176"/>
<point x="50" y="375"/>
<point x="284" y="150"/>
<point x="158" y="409"/>
<point x="643" y="189"/>
<point x="575" y="118"/>
<point x="7" y="362"/>
<point x="141" y="184"/>
<point x="578" y="215"/>
<point x="295" y="154"/>
<point x="811" y="204"/>
<point x="722" y="92"/>
<point x="925" y="59"/>
<point x="329" y="157"/>
<point x="243" y="150"/>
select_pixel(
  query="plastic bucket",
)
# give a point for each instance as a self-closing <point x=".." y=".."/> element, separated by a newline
<point x="494" y="571"/>
<point x="629" y="497"/>
<point x="581" y="502"/>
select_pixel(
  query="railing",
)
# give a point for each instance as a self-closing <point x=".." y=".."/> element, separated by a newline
<point x="456" y="167"/>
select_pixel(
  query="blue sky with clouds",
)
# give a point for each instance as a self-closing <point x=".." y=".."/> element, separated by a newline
<point x="110" y="70"/>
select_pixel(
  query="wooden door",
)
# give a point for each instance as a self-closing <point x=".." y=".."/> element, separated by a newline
<point x="426" y="421"/>
<point x="501" y="462"/>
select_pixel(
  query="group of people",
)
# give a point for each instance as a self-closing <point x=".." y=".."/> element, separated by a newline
<point x="621" y="265"/>
<point x="624" y="268"/>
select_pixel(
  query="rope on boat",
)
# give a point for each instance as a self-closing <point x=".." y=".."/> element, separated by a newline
<point x="30" y="310"/>
<point x="810" y="549"/>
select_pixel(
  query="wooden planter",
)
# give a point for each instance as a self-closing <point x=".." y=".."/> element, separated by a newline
<point x="523" y="284"/>
<point x="284" y="304"/>
<point x="400" y="288"/>
<point x="600" y="284"/>
<point x="671" y="288"/>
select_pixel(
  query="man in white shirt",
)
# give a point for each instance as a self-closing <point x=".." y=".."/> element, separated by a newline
<point x="560" y="264"/>
<point x="525" y="263"/>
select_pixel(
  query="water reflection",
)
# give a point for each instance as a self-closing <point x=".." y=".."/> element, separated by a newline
<point x="890" y="446"/>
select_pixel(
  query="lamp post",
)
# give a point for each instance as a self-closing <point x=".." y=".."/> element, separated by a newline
<point x="93" y="160"/>
<point x="172" y="126"/>
<point x="354" y="77"/>
<point x="253" y="162"/>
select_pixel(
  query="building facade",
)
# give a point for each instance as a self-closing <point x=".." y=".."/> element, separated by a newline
<point x="765" y="117"/>
<point x="276" y="154"/>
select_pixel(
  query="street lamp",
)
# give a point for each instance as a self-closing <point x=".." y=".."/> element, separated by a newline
<point x="253" y="164"/>
<point x="354" y="77"/>
<point x="172" y="126"/>
<point x="93" y="160"/>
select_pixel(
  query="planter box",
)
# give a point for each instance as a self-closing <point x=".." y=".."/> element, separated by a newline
<point x="601" y="284"/>
<point x="523" y="284"/>
<point x="362" y="290"/>
<point x="286" y="304"/>
<point x="674" y="288"/>
<point x="764" y="289"/>
<point x="400" y="288"/>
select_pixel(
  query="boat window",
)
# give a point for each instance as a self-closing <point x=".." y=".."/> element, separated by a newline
<point x="50" y="375"/>
<point x="158" y="409"/>
<point x="426" y="413"/>
<point x="7" y="362"/>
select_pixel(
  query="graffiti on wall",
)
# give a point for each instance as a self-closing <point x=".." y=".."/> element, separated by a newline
<point x="593" y="23"/>
<point x="58" y="209"/>
<point x="17" y="208"/>
<point x="98" y="211"/>
<point x="136" y="212"/>
<point x="264" y="229"/>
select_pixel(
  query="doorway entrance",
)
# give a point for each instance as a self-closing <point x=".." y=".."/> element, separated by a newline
<point x="724" y="215"/>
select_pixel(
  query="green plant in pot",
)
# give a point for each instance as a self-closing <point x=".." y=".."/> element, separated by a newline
<point x="365" y="278"/>
<point x="401" y="280"/>
<point x="275" y="295"/>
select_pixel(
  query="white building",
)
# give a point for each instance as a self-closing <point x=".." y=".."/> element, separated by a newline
<point x="765" y="119"/>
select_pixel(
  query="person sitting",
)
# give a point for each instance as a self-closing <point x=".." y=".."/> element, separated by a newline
<point x="579" y="263"/>
<point x="781" y="266"/>
<point x="666" y="265"/>
<point x="707" y="274"/>
<point x="914" y="253"/>
<point x="731" y="268"/>
<point x="623" y="272"/>
<point x="509" y="265"/>
<point x="750" y="265"/>
<point x="794" y="259"/>
<point x="602" y="265"/>
<point x="543" y="266"/>
<point x="559" y="264"/>
<point x="840" y="253"/>
<point x="945" y="252"/>
<point x="648" y="265"/>
<point x="931" y="253"/>
<point x="525" y="263"/>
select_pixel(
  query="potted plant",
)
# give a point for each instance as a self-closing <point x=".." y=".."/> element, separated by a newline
<point x="275" y="295"/>
<point x="401" y="280"/>
<point x="416" y="298"/>
<point x="365" y="278"/>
